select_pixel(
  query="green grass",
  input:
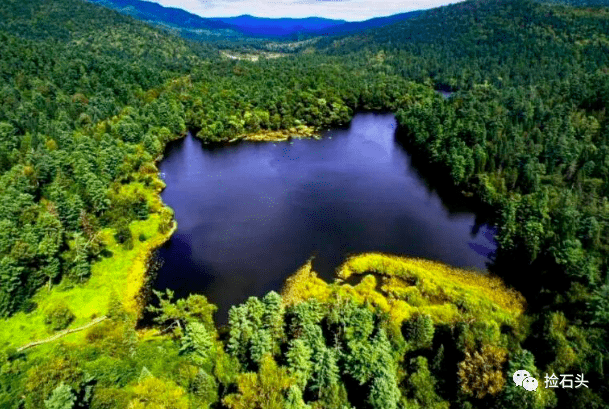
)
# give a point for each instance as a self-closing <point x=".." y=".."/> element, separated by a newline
<point x="123" y="273"/>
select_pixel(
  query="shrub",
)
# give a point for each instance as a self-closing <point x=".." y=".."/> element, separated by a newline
<point x="152" y="393"/>
<point x="166" y="223"/>
<point x="123" y="234"/>
<point x="481" y="371"/>
<point x="29" y="306"/>
<point x="99" y="332"/>
<point x="140" y="207"/>
<point x="109" y="398"/>
<point x="59" y="317"/>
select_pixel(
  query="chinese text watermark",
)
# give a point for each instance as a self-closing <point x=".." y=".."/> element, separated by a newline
<point x="566" y="381"/>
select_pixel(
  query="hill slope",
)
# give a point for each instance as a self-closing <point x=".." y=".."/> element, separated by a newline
<point x="352" y="27"/>
<point x="192" y="26"/>
<point x="505" y="42"/>
<point x="186" y="24"/>
<point x="63" y="70"/>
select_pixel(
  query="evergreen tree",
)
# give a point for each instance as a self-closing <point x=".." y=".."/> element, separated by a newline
<point x="420" y="331"/>
<point x="63" y="397"/>
<point x="295" y="400"/>
<point x="298" y="357"/>
<point x="197" y="342"/>
<point x="273" y="316"/>
<point x="325" y="372"/>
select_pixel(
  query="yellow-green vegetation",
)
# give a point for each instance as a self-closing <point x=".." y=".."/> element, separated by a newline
<point x="412" y="286"/>
<point x="154" y="393"/>
<point x="304" y="284"/>
<point x="121" y="275"/>
<point x="481" y="372"/>
<point x="300" y="132"/>
<point x="263" y="389"/>
<point x="442" y="291"/>
<point x="253" y="56"/>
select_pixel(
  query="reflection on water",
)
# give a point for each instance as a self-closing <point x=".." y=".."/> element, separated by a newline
<point x="250" y="214"/>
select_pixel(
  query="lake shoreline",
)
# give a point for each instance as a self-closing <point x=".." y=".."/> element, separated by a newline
<point x="135" y="288"/>
<point x="221" y="257"/>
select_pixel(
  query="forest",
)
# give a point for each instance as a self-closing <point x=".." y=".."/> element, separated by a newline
<point x="87" y="106"/>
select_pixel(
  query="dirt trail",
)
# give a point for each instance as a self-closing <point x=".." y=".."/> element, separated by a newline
<point x="62" y="334"/>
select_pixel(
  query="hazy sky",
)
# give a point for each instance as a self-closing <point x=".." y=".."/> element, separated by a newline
<point x="338" y="9"/>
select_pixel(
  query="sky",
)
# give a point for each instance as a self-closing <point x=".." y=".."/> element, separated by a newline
<point x="351" y="10"/>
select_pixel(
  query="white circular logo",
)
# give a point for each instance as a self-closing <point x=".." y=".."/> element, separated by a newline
<point x="530" y="384"/>
<point x="519" y="376"/>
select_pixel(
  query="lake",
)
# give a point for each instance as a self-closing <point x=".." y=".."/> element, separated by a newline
<point x="250" y="214"/>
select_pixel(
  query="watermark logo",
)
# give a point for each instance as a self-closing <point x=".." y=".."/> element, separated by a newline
<point x="523" y="378"/>
<point x="519" y="376"/>
<point x="530" y="384"/>
<point x="566" y="381"/>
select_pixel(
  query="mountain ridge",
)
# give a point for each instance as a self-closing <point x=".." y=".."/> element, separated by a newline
<point x="278" y="27"/>
<point x="189" y="25"/>
<point x="193" y="26"/>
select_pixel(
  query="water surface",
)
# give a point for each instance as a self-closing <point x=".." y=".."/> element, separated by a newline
<point x="249" y="214"/>
<point x="445" y="94"/>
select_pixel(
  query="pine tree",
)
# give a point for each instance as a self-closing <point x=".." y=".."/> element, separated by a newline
<point x="240" y="333"/>
<point x="420" y="331"/>
<point x="205" y="387"/>
<point x="300" y="366"/>
<point x="261" y="343"/>
<point x="273" y="316"/>
<point x="295" y="400"/>
<point x="421" y="387"/>
<point x="325" y="372"/>
<point x="306" y="313"/>
<point x="144" y="374"/>
<point x="63" y="397"/>
<point x="599" y="305"/>
<point x="10" y="285"/>
<point x="516" y="396"/>
<point x="385" y="393"/>
<point x="197" y="342"/>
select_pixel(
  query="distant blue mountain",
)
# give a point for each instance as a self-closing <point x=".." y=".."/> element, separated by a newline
<point x="279" y="27"/>
<point x="285" y="27"/>
<point x="175" y="18"/>
<point x="193" y="26"/>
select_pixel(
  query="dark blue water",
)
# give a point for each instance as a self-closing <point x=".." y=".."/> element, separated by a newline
<point x="445" y="94"/>
<point x="250" y="214"/>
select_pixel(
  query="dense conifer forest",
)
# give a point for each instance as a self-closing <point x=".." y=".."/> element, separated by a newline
<point x="90" y="98"/>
